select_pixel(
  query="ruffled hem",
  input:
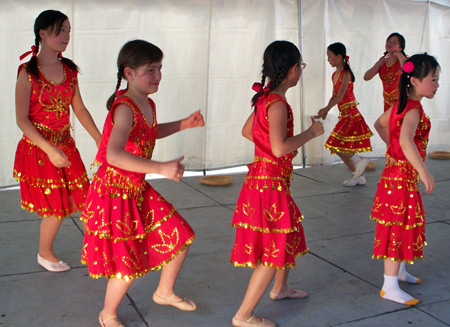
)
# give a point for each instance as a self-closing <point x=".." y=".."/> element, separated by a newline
<point x="267" y="230"/>
<point x="49" y="212"/>
<point x="267" y="263"/>
<point x="390" y="223"/>
<point x="145" y="271"/>
<point x="397" y="259"/>
<point x="335" y="149"/>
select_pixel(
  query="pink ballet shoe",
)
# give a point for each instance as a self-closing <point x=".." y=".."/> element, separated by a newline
<point x="52" y="266"/>
<point x="289" y="294"/>
<point x="183" y="304"/>
<point x="250" y="322"/>
<point x="102" y="321"/>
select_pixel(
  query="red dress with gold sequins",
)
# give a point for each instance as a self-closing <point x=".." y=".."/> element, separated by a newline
<point x="351" y="133"/>
<point x="267" y="220"/>
<point x="390" y="76"/>
<point x="131" y="229"/>
<point x="44" y="188"/>
<point x="397" y="208"/>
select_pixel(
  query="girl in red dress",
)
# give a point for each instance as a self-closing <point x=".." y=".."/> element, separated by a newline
<point x="131" y="229"/>
<point x="269" y="233"/>
<point x="397" y="208"/>
<point x="351" y="135"/>
<point x="52" y="176"/>
<point x="389" y="68"/>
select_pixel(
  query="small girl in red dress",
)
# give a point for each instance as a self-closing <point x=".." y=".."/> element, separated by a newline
<point x="131" y="229"/>
<point x="397" y="208"/>
<point x="351" y="135"/>
<point x="269" y="233"/>
<point x="389" y="68"/>
<point x="52" y="176"/>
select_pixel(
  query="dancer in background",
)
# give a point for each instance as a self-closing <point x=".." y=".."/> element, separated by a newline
<point x="269" y="233"/>
<point x="131" y="229"/>
<point x="351" y="135"/>
<point x="397" y="208"/>
<point x="52" y="176"/>
<point x="389" y="68"/>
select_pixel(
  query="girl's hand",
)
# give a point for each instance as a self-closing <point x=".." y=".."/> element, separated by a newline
<point x="428" y="181"/>
<point x="58" y="158"/>
<point x="316" y="128"/>
<point x="322" y="113"/>
<point x="194" y="120"/>
<point x="174" y="169"/>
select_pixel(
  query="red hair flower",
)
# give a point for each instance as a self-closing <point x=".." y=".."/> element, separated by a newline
<point x="408" y="67"/>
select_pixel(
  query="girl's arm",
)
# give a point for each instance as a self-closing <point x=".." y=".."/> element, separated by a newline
<point x="194" y="120"/>
<point x="279" y="142"/>
<point x="23" y="94"/>
<point x="400" y="57"/>
<point x="409" y="126"/>
<point x="84" y="116"/>
<point x="336" y="99"/>
<point x="382" y="125"/>
<point x="374" y="70"/>
<point x="117" y="156"/>
<point x="247" y="129"/>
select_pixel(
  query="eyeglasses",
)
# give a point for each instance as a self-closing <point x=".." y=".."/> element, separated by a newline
<point x="303" y="65"/>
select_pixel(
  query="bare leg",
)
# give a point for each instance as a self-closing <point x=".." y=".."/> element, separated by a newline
<point x="259" y="282"/>
<point x="168" y="277"/>
<point x="391" y="267"/>
<point x="49" y="228"/>
<point x="115" y="292"/>
<point x="346" y="158"/>
<point x="280" y="282"/>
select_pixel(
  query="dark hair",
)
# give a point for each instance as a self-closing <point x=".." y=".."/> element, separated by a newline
<point x="52" y="20"/>
<point x="401" y="41"/>
<point x="339" y="49"/>
<point x="279" y="57"/>
<point x="133" y="55"/>
<point x="423" y="65"/>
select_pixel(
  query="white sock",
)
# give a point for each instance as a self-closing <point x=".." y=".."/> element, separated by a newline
<point x="391" y="291"/>
<point x="404" y="276"/>
<point x="355" y="158"/>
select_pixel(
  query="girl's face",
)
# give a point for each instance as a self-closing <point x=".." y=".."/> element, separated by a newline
<point x="147" y="77"/>
<point x="333" y="59"/>
<point x="427" y="87"/>
<point x="393" y="44"/>
<point x="57" y="42"/>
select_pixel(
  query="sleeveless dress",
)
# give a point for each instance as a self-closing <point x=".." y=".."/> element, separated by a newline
<point x="351" y="133"/>
<point x="390" y="76"/>
<point x="44" y="188"/>
<point x="131" y="229"/>
<point x="267" y="220"/>
<point x="397" y="207"/>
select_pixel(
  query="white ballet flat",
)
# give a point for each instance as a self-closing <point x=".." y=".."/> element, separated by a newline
<point x="52" y="266"/>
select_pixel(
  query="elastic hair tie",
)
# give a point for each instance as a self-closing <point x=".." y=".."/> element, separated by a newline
<point x="408" y="67"/>
<point x="26" y="54"/>
<point x="258" y="87"/>
<point x="347" y="58"/>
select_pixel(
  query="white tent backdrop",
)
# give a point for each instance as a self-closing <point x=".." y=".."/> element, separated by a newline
<point x="213" y="53"/>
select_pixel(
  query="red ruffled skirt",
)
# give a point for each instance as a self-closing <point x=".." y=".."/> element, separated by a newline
<point x="351" y="133"/>
<point x="399" y="213"/>
<point x="267" y="220"/>
<point x="46" y="189"/>
<point x="131" y="229"/>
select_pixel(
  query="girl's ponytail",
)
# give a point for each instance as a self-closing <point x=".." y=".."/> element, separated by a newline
<point x="111" y="99"/>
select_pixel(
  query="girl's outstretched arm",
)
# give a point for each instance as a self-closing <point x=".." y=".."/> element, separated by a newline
<point x="382" y="126"/>
<point x="84" y="116"/>
<point x="118" y="157"/>
<point x="193" y="120"/>
<point x="374" y="70"/>
<point x="23" y="94"/>
<point x="346" y="78"/>
<point x="279" y="143"/>
<point x="247" y="129"/>
<point x="409" y="126"/>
